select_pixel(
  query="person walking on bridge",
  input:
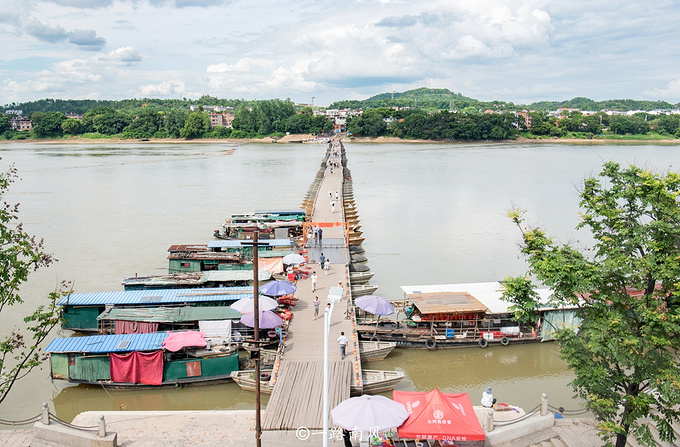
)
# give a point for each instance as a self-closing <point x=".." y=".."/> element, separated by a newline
<point x="342" y="340"/>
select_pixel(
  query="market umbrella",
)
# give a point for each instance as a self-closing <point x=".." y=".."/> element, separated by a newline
<point x="293" y="259"/>
<point x="437" y="415"/>
<point x="245" y="305"/>
<point x="374" y="304"/>
<point x="369" y="413"/>
<point x="268" y="319"/>
<point x="277" y="288"/>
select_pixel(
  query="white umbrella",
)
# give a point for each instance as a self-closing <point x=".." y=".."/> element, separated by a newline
<point x="245" y="305"/>
<point x="369" y="413"/>
<point x="293" y="259"/>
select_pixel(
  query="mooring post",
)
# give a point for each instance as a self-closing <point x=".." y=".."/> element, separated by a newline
<point x="544" y="404"/>
<point x="45" y="413"/>
<point x="102" y="426"/>
<point x="489" y="420"/>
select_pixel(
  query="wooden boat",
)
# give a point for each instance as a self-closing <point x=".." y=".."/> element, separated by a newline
<point x="372" y="351"/>
<point x="362" y="289"/>
<point x="191" y="280"/>
<point x="360" y="277"/>
<point x="463" y="315"/>
<point x="356" y="249"/>
<point x="374" y="381"/>
<point x="358" y="268"/>
<point x="356" y="240"/>
<point x="142" y="360"/>
<point x="377" y="381"/>
<point x="358" y="258"/>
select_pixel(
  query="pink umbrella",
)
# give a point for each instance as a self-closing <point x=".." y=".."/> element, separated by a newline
<point x="268" y="319"/>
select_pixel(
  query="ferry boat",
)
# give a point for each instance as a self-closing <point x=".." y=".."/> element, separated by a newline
<point x="462" y="315"/>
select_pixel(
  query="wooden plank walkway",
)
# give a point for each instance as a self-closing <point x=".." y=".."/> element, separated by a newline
<point x="297" y="400"/>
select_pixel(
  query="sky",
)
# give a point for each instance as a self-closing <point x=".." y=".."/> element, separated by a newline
<point x="317" y="52"/>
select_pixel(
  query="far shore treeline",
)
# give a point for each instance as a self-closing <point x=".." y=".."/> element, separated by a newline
<point x="423" y="114"/>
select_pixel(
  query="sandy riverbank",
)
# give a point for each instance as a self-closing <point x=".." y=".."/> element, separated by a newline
<point x="309" y="138"/>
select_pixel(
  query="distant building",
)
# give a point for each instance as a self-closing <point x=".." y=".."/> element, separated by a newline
<point x="21" y="123"/>
<point x="223" y="119"/>
<point x="13" y="112"/>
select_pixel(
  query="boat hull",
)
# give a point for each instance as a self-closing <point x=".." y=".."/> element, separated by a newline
<point x="362" y="290"/>
<point x="372" y="351"/>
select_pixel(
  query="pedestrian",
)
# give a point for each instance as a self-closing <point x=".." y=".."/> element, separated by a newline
<point x="322" y="260"/>
<point x="326" y="267"/>
<point x="320" y="236"/>
<point x="333" y="207"/>
<point x="346" y="438"/>
<point x="560" y="413"/>
<point x="488" y="400"/>
<point x="342" y="340"/>
<point x="330" y="195"/>
<point x="314" y="281"/>
<point x="316" y="303"/>
<point x="336" y="195"/>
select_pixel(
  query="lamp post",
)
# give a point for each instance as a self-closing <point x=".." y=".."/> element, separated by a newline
<point x="256" y="328"/>
<point x="334" y="296"/>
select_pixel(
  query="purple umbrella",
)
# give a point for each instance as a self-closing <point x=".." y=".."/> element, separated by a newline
<point x="268" y="319"/>
<point x="277" y="288"/>
<point x="374" y="304"/>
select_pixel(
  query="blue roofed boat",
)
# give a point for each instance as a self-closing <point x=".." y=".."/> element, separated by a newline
<point x="154" y="359"/>
<point x="80" y="310"/>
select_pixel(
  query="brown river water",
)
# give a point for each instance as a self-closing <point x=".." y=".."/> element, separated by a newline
<point x="431" y="214"/>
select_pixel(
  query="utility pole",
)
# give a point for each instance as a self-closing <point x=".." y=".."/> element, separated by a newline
<point x="256" y="328"/>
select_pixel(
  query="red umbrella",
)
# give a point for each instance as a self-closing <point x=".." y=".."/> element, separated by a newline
<point x="437" y="415"/>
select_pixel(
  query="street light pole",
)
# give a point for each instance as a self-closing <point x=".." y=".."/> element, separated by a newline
<point x="256" y="328"/>
<point x="326" y="329"/>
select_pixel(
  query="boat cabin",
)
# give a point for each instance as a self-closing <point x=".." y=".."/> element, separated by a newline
<point x="192" y="280"/>
<point x="141" y="360"/>
<point x="223" y="254"/>
<point x="80" y="310"/>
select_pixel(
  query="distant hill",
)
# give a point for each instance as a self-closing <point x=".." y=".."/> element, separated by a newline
<point x="428" y="99"/>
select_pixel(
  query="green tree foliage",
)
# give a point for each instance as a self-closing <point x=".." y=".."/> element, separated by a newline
<point x="626" y="287"/>
<point x="5" y="123"/>
<point x="457" y="126"/>
<point x="298" y="123"/>
<point x="72" y="126"/>
<point x="370" y="124"/>
<point x="197" y="124"/>
<point x="147" y="123"/>
<point x="111" y="123"/>
<point x="263" y="117"/>
<point x="174" y="122"/>
<point x="21" y="253"/>
<point x="320" y="125"/>
<point x="622" y="124"/>
<point x="50" y="125"/>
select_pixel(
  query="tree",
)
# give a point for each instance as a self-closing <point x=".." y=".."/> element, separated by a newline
<point x="145" y="126"/>
<point x="72" y="126"/>
<point x="20" y="253"/>
<point x="174" y="122"/>
<point x="50" y="125"/>
<point x="111" y="123"/>
<point x="626" y="289"/>
<point x="197" y="124"/>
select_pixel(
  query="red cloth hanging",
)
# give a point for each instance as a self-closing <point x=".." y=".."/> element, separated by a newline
<point x="134" y="327"/>
<point x="137" y="367"/>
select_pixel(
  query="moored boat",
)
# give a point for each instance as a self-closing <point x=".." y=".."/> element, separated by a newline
<point x="362" y="289"/>
<point x="372" y="351"/>
<point x="374" y="381"/>
<point x="463" y="315"/>
<point x="360" y="277"/>
<point x="157" y="359"/>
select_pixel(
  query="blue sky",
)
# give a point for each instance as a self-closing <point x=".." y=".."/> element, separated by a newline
<point x="510" y="50"/>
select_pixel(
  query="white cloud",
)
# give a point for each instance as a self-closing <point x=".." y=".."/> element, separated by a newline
<point x="670" y="93"/>
<point x="165" y="88"/>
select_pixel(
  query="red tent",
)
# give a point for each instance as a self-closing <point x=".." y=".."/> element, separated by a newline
<point x="437" y="415"/>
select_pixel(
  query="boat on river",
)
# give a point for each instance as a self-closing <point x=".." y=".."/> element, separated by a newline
<point x="192" y="280"/>
<point x="271" y="224"/>
<point x="372" y="351"/>
<point x="80" y="311"/>
<point x="362" y="289"/>
<point x="360" y="277"/>
<point x="462" y="315"/>
<point x="151" y="360"/>
<point x="374" y="381"/>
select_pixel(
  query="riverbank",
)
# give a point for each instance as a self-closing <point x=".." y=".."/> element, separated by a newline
<point x="312" y="139"/>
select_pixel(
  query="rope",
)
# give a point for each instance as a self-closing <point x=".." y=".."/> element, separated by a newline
<point x="59" y="421"/>
<point x="569" y="412"/>
<point x="521" y="418"/>
<point x="24" y="422"/>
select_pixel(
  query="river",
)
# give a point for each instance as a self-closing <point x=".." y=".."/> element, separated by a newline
<point x="431" y="214"/>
